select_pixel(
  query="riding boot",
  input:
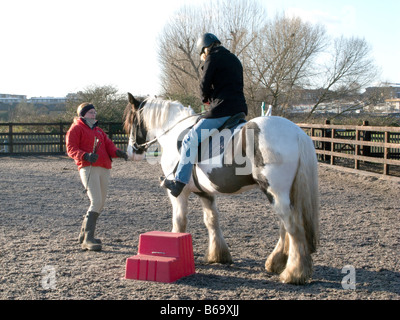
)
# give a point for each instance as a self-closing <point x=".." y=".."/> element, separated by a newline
<point x="174" y="186"/>
<point x="82" y="233"/>
<point x="89" y="242"/>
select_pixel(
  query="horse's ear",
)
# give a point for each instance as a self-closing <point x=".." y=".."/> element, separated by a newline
<point x="133" y="101"/>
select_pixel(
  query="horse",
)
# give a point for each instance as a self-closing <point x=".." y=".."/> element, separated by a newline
<point x="270" y="153"/>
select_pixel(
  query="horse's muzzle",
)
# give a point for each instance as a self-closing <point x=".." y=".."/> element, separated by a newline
<point x="132" y="155"/>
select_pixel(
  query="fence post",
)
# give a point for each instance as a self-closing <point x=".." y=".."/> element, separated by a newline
<point x="366" y="150"/>
<point x="327" y="133"/>
<point x="386" y="152"/>
<point x="10" y="138"/>
<point x="61" y="149"/>
<point x="357" y="150"/>
<point x="110" y="133"/>
<point x="332" y="162"/>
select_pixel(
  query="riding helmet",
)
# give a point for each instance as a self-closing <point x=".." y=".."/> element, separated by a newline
<point x="205" y="41"/>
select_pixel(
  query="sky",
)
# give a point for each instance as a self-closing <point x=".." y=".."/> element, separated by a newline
<point x="56" y="47"/>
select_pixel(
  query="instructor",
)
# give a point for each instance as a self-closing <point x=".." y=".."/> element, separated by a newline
<point x="92" y="151"/>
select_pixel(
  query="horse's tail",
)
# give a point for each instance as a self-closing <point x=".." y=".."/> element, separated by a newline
<point x="304" y="194"/>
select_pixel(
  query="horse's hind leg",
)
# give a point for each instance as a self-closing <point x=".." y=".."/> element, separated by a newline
<point x="299" y="263"/>
<point x="218" y="251"/>
<point x="291" y="257"/>
<point x="277" y="260"/>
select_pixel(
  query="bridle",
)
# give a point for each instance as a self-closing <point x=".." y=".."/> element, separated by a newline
<point x="144" y="146"/>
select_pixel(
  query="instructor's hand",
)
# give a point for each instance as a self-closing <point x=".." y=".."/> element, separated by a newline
<point x="121" y="154"/>
<point x="91" y="157"/>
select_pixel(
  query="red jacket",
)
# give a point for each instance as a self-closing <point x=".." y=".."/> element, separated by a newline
<point x="80" y="140"/>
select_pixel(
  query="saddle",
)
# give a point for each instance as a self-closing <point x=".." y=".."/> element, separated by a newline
<point x="231" y="124"/>
<point x="234" y="121"/>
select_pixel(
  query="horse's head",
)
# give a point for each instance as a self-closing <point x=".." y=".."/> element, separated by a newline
<point x="149" y="118"/>
<point x="133" y="125"/>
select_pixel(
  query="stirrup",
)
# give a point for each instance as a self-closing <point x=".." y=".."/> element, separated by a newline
<point x="162" y="180"/>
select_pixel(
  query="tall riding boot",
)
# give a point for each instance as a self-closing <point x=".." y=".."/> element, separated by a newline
<point x="82" y="233"/>
<point x="89" y="242"/>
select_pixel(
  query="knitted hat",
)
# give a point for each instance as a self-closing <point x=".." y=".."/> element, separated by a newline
<point x="83" y="108"/>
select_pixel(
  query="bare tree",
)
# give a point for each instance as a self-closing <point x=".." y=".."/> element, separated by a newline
<point x="177" y="53"/>
<point x="348" y="69"/>
<point x="280" y="60"/>
<point x="237" y="23"/>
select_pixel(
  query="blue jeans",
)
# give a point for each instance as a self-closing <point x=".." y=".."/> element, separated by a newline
<point x="200" y="132"/>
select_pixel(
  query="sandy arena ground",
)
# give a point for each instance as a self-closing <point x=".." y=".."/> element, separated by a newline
<point x="41" y="208"/>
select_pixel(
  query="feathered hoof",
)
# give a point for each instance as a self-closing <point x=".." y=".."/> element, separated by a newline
<point x="82" y="237"/>
<point x="224" y="258"/>
<point x="276" y="263"/>
<point x="91" y="246"/>
<point x="294" y="278"/>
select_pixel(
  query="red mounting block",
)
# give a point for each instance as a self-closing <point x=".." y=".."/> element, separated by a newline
<point x="162" y="257"/>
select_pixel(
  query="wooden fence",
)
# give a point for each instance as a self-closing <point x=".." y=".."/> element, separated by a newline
<point x="47" y="138"/>
<point x="375" y="150"/>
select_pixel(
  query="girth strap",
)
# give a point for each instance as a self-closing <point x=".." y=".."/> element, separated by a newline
<point x="196" y="178"/>
<point x="194" y="175"/>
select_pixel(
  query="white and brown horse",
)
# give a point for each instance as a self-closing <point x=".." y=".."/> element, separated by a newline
<point x="269" y="153"/>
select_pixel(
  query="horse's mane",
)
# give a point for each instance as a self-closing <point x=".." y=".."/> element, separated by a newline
<point x="156" y="113"/>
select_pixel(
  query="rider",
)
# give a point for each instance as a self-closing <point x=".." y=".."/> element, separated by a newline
<point x="221" y="87"/>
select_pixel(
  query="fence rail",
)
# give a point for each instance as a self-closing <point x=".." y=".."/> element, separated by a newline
<point x="367" y="148"/>
<point x="47" y="138"/>
<point x="371" y="149"/>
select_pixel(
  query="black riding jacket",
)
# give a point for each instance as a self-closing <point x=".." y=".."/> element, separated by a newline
<point x="222" y="84"/>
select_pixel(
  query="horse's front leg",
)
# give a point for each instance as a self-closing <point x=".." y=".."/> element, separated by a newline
<point x="179" y="212"/>
<point x="218" y="251"/>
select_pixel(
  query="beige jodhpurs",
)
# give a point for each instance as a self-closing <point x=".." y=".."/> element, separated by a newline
<point x="98" y="186"/>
